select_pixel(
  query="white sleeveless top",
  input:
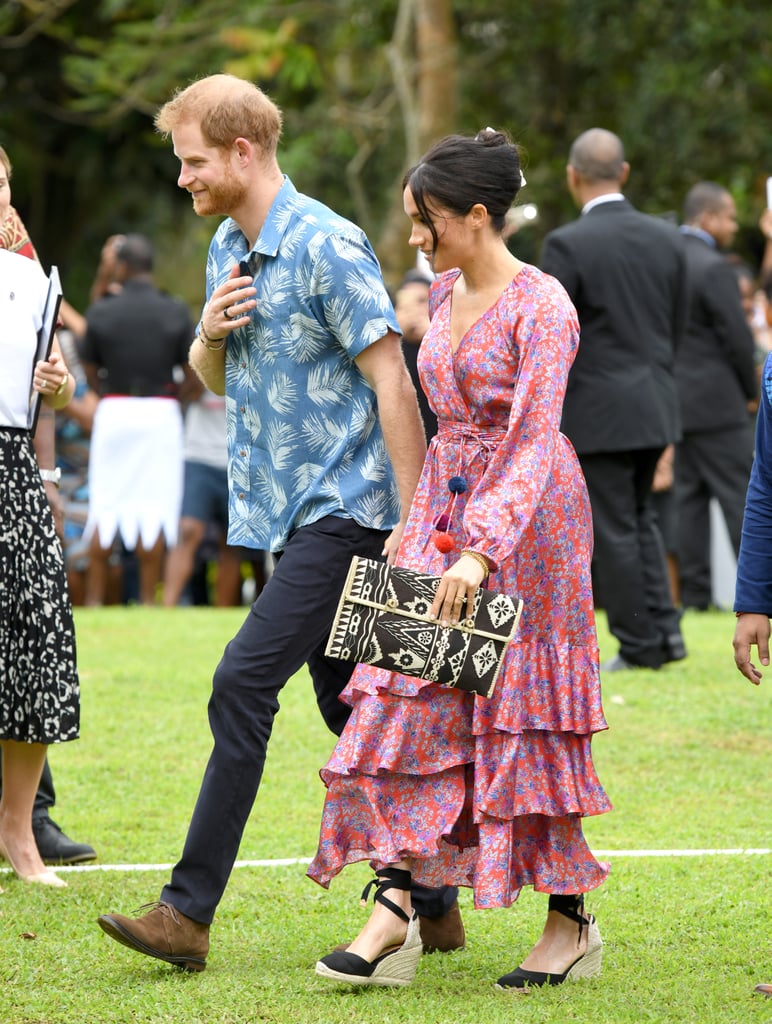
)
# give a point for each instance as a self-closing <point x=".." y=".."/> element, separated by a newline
<point x="23" y="290"/>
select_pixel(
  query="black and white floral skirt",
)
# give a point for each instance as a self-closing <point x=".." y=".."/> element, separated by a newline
<point x="39" y="690"/>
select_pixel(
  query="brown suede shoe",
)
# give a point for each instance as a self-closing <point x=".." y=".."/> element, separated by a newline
<point x="163" y="932"/>
<point x="439" y="934"/>
<point x="443" y="934"/>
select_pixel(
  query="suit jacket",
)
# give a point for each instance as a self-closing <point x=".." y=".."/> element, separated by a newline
<point x="626" y="274"/>
<point x="715" y="365"/>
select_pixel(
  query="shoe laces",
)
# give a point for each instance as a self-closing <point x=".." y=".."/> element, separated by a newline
<point x="165" y="908"/>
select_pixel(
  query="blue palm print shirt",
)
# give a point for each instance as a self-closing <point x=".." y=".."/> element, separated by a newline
<point x="304" y="439"/>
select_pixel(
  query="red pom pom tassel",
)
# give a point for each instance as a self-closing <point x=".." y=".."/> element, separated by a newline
<point x="443" y="542"/>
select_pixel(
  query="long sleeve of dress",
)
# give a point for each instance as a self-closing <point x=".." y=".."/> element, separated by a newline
<point x="543" y="337"/>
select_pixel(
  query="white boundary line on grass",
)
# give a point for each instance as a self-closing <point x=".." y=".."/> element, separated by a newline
<point x="284" y="862"/>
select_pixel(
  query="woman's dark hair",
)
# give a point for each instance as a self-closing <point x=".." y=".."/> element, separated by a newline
<point x="460" y="171"/>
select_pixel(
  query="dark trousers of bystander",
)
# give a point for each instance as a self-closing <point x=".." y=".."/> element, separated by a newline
<point x="286" y="627"/>
<point x="629" y="566"/>
<point x="709" y="464"/>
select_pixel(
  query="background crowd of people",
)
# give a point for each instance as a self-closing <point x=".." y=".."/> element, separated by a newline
<point x="126" y="553"/>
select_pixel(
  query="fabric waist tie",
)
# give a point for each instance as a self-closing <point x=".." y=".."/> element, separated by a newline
<point x="487" y="436"/>
<point x="466" y="442"/>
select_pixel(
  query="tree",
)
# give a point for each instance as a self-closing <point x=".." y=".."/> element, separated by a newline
<point x="365" y="86"/>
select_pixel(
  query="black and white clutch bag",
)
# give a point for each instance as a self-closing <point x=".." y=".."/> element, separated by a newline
<point x="383" y="620"/>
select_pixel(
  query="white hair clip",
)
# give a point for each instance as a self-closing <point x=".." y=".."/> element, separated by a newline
<point x="523" y="182"/>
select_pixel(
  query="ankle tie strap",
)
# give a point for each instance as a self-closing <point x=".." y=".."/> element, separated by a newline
<point x="572" y="907"/>
<point x="385" y="879"/>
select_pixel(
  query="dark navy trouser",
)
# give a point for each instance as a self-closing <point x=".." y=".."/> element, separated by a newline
<point x="286" y="628"/>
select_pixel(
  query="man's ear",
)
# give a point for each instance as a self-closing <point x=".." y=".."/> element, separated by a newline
<point x="244" y="151"/>
<point x="573" y="182"/>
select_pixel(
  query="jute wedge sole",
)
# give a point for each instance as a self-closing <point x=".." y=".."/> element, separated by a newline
<point x="393" y="969"/>
<point x="588" y="965"/>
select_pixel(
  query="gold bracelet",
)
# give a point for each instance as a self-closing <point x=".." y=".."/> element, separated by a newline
<point x="480" y="559"/>
<point x="208" y="342"/>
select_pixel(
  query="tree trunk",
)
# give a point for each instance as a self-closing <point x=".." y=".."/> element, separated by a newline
<point x="426" y="80"/>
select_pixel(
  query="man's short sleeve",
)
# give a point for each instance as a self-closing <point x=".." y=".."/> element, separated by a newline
<point x="353" y="300"/>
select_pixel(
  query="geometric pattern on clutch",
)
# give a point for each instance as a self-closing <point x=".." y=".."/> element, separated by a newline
<point x="382" y="619"/>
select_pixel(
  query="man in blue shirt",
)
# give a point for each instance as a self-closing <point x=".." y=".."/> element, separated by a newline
<point x="325" y="448"/>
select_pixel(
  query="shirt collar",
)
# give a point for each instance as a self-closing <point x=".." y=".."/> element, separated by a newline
<point x="277" y="221"/>
<point x="691" y="229"/>
<point x="271" y="232"/>
<point x="608" y="197"/>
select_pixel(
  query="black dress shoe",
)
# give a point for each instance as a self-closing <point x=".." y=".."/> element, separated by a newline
<point x="675" y="648"/>
<point x="55" y="847"/>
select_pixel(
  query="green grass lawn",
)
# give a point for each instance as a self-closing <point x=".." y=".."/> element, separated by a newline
<point x="687" y="762"/>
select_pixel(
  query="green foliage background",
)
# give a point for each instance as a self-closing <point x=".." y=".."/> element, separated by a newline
<point x="686" y="85"/>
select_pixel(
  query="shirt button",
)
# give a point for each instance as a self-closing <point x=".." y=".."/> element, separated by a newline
<point x="242" y="408"/>
<point x="242" y="452"/>
<point x="243" y="366"/>
<point x="241" y="495"/>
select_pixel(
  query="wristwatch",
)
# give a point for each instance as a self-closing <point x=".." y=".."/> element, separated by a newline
<point x="51" y="476"/>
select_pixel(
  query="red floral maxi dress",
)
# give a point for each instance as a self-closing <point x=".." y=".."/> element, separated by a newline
<point x="488" y="792"/>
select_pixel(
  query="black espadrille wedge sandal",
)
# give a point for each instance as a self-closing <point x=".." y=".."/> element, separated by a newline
<point x="585" y="966"/>
<point x="395" y="966"/>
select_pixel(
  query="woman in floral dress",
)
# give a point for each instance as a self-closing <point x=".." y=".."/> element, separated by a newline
<point x="438" y="784"/>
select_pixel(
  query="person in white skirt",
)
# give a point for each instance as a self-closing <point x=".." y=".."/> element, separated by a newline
<point x="135" y="342"/>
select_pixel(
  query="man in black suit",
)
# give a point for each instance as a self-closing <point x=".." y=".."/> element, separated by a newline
<point x="717" y="387"/>
<point x="625" y="273"/>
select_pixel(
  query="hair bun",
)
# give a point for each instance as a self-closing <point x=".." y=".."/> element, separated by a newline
<point x="492" y="137"/>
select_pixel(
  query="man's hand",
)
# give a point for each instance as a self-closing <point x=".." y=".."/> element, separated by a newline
<point x="751" y="629"/>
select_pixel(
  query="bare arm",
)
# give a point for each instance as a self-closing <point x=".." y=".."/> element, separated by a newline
<point x="45" y="450"/>
<point x="208" y="365"/>
<point x="53" y="373"/>
<point x="383" y="367"/>
<point x="207" y="353"/>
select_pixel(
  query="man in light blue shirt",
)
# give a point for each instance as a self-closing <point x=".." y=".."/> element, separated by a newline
<point x="325" y="447"/>
<point x="304" y="439"/>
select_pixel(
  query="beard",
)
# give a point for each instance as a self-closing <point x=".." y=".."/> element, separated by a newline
<point x="221" y="199"/>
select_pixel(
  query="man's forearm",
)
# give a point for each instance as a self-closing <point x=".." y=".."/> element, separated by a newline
<point x="404" y="436"/>
<point x="209" y="365"/>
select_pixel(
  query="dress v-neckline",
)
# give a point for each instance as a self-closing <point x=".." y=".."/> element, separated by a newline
<point x="480" y="319"/>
